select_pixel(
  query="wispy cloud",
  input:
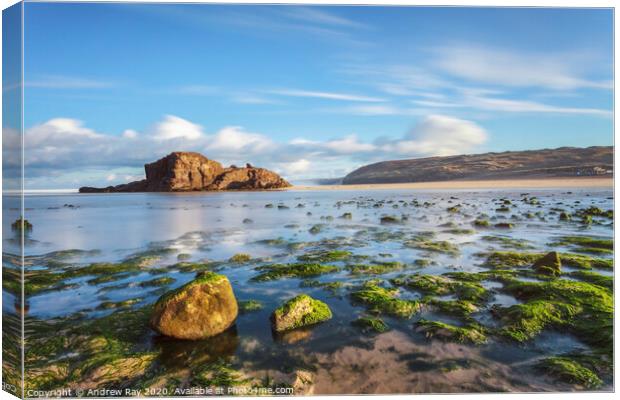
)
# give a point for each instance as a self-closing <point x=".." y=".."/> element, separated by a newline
<point x="514" y="68"/>
<point x="326" y="95"/>
<point x="320" y="17"/>
<point x="67" y="82"/>
<point x="473" y="100"/>
<point x="311" y="21"/>
<point x="197" y="90"/>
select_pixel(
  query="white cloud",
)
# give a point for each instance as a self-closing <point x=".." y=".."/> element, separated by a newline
<point x="61" y="131"/>
<point x="63" y="149"/>
<point x="326" y="95"/>
<point x="348" y="144"/>
<point x="173" y="127"/>
<point x="509" y="68"/>
<point x="439" y="135"/>
<point x="235" y="140"/>
<point x="130" y="134"/>
<point x="294" y="168"/>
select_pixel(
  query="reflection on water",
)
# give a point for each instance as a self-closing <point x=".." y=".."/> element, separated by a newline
<point x="184" y="354"/>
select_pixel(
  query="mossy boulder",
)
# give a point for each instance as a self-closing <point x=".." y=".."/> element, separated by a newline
<point x="300" y="311"/>
<point x="371" y="324"/>
<point x="549" y="264"/>
<point x="21" y="224"/>
<point x="567" y="370"/>
<point x="200" y="309"/>
<point x="473" y="333"/>
<point x="384" y="300"/>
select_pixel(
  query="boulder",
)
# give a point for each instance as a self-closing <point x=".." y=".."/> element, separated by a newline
<point x="300" y="311"/>
<point x="200" y="309"/>
<point x="549" y="264"/>
<point x="187" y="171"/>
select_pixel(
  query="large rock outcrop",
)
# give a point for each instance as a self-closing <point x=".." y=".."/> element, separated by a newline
<point x="200" y="309"/>
<point x="181" y="171"/>
<point x="187" y="171"/>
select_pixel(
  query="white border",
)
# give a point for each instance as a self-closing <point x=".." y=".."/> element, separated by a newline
<point x="477" y="3"/>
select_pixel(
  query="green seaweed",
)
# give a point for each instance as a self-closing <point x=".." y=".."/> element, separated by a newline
<point x="323" y="256"/>
<point x="585" y="308"/>
<point x="438" y="285"/>
<point x="595" y="278"/>
<point x="317" y="228"/>
<point x="389" y="219"/>
<point x="376" y="268"/>
<point x="315" y="312"/>
<point x="219" y="374"/>
<point x="462" y="308"/>
<point x="481" y="223"/>
<point x="21" y="224"/>
<point x="296" y="270"/>
<point x="472" y="333"/>
<point x="433" y="246"/>
<point x="248" y="306"/>
<point x="382" y="300"/>
<point x="523" y="322"/>
<point x="371" y="324"/>
<point x="158" y="282"/>
<point x="513" y="259"/>
<point x="508" y="242"/>
<point x="240" y="258"/>
<point x="586" y="244"/>
<point x="570" y="371"/>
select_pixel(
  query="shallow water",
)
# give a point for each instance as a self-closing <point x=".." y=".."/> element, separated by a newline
<point x="211" y="227"/>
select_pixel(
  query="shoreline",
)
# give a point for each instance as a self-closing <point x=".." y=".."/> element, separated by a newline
<point x="540" y="183"/>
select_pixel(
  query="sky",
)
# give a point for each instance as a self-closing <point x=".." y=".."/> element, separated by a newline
<point x="308" y="91"/>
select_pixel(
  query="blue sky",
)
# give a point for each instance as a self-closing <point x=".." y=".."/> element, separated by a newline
<point x="307" y="91"/>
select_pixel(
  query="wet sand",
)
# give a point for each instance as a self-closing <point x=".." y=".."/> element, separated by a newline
<point x="603" y="182"/>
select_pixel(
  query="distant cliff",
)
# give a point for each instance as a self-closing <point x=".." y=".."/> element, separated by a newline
<point x="548" y="163"/>
<point x="186" y="172"/>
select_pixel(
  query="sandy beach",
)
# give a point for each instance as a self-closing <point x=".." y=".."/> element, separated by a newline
<point x="490" y="184"/>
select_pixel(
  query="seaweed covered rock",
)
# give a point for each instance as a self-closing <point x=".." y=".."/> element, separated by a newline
<point x="21" y="224"/>
<point x="570" y="371"/>
<point x="300" y="311"/>
<point x="200" y="309"/>
<point x="549" y="264"/>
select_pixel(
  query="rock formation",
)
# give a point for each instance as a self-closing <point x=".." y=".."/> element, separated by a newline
<point x="186" y="171"/>
<point x="300" y="311"/>
<point x="200" y="309"/>
<point x="181" y="171"/>
<point x="550" y="264"/>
